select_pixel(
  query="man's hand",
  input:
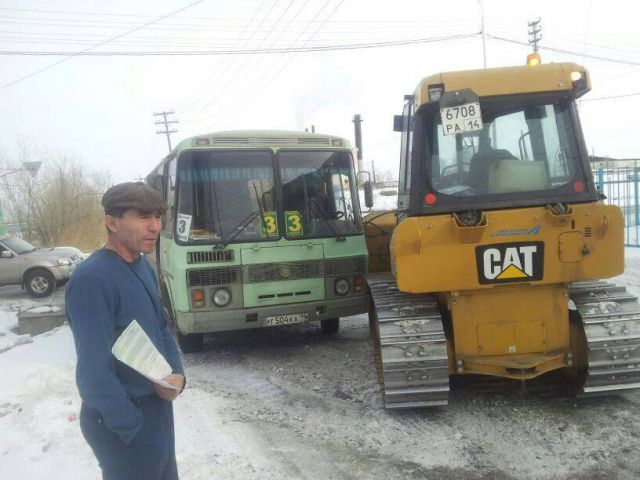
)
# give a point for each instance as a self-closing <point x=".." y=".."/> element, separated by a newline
<point x="170" y="394"/>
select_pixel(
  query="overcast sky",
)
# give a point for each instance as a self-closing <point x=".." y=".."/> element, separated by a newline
<point x="100" y="108"/>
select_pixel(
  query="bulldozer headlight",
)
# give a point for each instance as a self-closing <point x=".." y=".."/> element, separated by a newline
<point x="580" y="83"/>
<point x="341" y="286"/>
<point x="435" y="92"/>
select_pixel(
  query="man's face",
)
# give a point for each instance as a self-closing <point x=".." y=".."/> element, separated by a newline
<point x="136" y="231"/>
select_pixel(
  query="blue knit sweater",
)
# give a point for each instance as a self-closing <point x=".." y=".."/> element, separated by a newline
<point x="104" y="295"/>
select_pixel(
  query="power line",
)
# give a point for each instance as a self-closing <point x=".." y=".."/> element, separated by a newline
<point x="219" y="24"/>
<point x="223" y="90"/>
<point x="623" y="95"/>
<point x="593" y="45"/>
<point x="97" y="45"/>
<point x="317" y="15"/>
<point x="568" y="52"/>
<point x="253" y="51"/>
<point x="196" y="39"/>
<point x="201" y="22"/>
<point x="247" y="60"/>
<point x="205" y="18"/>
<point x="268" y="82"/>
<point x="188" y="104"/>
<point x="54" y="37"/>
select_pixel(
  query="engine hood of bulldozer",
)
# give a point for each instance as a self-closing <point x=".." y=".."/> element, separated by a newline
<point x="525" y="245"/>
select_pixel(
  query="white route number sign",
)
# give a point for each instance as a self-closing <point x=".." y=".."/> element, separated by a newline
<point x="461" y="118"/>
<point x="183" y="227"/>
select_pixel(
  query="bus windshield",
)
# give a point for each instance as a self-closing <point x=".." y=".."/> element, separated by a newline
<point x="519" y="149"/>
<point x="223" y="196"/>
<point x="318" y="193"/>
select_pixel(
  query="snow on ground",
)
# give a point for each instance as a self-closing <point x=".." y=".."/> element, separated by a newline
<point x="383" y="199"/>
<point x="290" y="403"/>
<point x="631" y="276"/>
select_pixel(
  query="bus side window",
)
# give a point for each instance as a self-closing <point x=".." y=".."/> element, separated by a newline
<point x="170" y="190"/>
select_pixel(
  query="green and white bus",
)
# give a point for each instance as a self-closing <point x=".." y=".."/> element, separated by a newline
<point x="263" y="229"/>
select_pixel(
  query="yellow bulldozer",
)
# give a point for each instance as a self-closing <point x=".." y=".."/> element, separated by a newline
<point x="492" y="263"/>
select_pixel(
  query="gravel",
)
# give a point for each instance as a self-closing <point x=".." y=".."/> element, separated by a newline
<point x="312" y="401"/>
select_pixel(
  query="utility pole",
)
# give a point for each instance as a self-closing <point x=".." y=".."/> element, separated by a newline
<point x="357" y="121"/>
<point x="166" y="123"/>
<point x="534" y="34"/>
<point x="484" y="34"/>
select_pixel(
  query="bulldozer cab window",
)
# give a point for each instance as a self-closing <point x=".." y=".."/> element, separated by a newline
<point x="519" y="149"/>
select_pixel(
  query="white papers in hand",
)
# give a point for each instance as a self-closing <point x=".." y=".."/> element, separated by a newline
<point x="135" y="349"/>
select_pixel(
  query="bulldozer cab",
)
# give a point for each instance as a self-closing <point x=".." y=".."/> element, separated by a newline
<point x="486" y="152"/>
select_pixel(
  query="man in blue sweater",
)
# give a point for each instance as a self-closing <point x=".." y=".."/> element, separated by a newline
<point x="125" y="418"/>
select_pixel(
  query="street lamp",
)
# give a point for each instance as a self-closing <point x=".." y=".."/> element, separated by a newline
<point x="32" y="168"/>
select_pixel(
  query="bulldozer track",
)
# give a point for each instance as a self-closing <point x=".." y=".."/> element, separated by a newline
<point x="410" y="346"/>
<point x="611" y="320"/>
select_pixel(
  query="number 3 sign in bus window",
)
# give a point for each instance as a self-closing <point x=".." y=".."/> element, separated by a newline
<point x="269" y="226"/>
<point x="294" y="223"/>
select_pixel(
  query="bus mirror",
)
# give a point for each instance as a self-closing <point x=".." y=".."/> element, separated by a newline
<point x="397" y="123"/>
<point x="368" y="194"/>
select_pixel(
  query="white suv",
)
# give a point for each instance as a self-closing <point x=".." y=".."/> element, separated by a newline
<point x="38" y="270"/>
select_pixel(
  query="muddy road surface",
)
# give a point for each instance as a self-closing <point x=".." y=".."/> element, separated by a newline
<point x="307" y="405"/>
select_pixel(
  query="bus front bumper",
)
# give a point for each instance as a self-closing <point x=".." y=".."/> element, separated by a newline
<point x="225" y="320"/>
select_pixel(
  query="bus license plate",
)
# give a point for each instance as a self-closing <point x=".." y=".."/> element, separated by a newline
<point x="286" y="319"/>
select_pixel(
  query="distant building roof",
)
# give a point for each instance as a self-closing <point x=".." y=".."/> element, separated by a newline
<point x="597" y="159"/>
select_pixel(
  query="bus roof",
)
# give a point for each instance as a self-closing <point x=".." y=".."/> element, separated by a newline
<point x="551" y="77"/>
<point x="262" y="139"/>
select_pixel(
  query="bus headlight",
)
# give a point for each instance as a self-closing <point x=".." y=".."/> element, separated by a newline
<point x="221" y="297"/>
<point x="341" y="286"/>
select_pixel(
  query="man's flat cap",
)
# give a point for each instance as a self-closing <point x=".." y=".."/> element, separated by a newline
<point x="132" y="195"/>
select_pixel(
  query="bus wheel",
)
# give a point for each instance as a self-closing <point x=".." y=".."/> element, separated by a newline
<point x="330" y="325"/>
<point x="190" y="343"/>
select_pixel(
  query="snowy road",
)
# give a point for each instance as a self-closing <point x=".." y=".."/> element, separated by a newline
<point x="291" y="403"/>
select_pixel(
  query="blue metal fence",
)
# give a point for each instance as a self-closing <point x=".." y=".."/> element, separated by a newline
<point x="621" y="187"/>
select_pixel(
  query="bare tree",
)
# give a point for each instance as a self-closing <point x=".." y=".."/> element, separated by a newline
<point x="386" y="176"/>
<point x="61" y="205"/>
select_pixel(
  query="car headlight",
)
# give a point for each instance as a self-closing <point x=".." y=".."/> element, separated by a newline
<point x="341" y="286"/>
<point x="63" y="262"/>
<point x="221" y="297"/>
